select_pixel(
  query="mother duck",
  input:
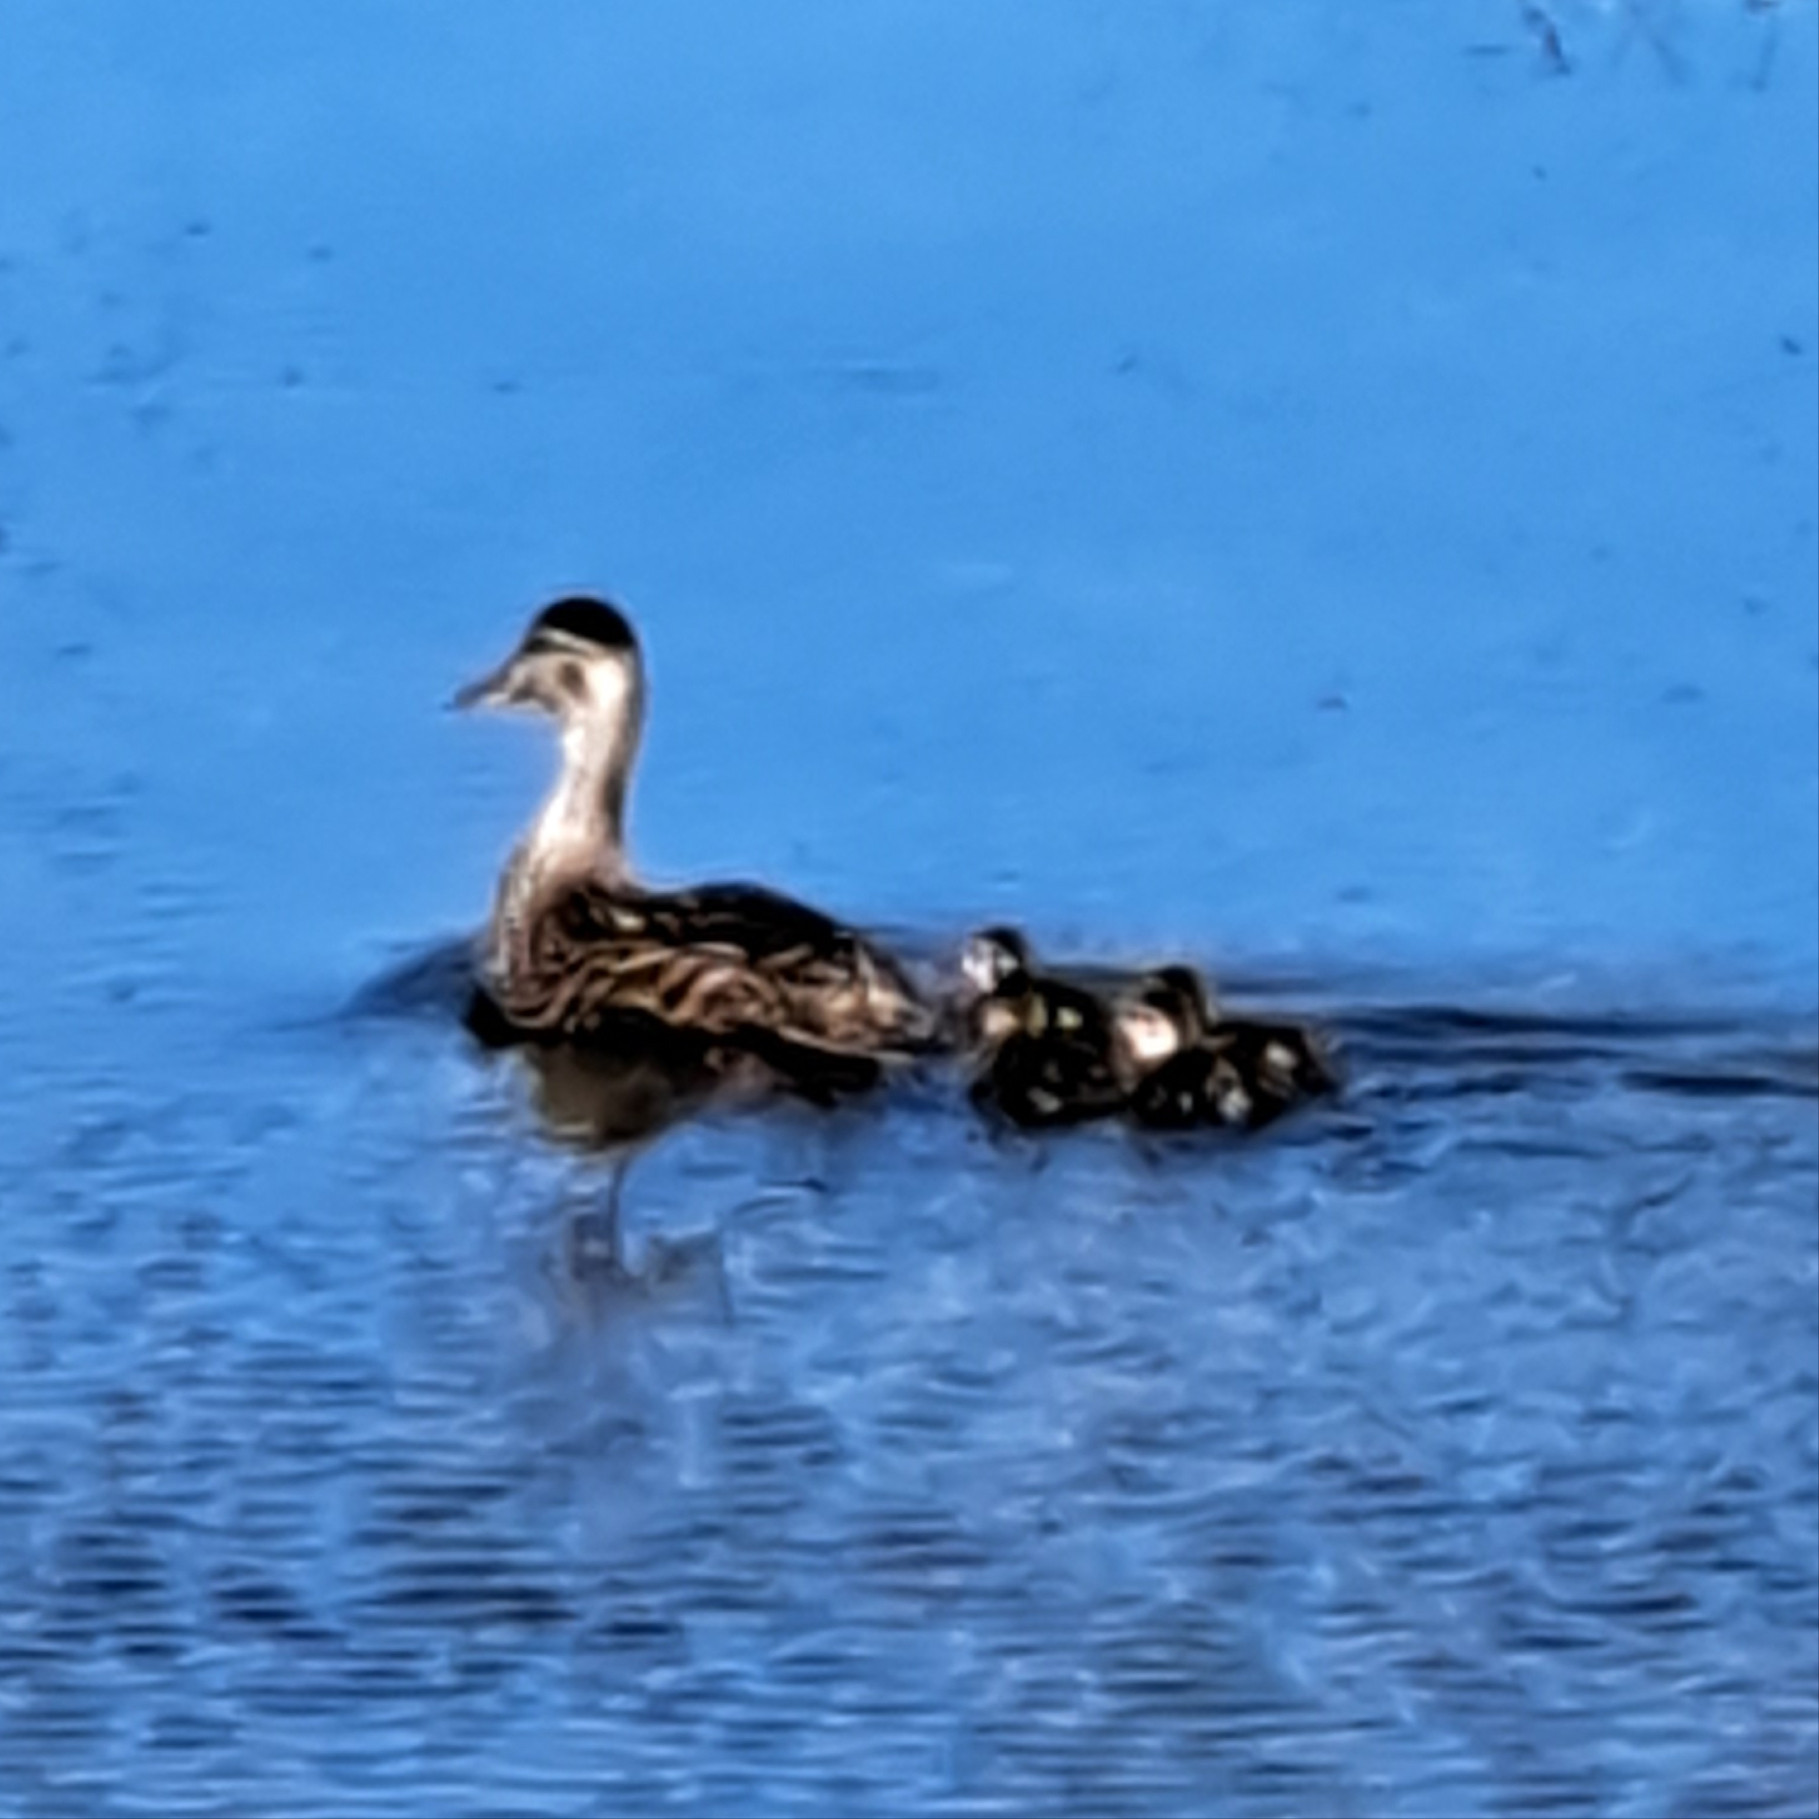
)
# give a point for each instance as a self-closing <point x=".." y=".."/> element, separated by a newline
<point x="578" y="949"/>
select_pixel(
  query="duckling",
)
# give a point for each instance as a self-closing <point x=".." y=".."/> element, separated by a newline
<point x="1205" y="1068"/>
<point x="579" y="949"/>
<point x="1049" y="1053"/>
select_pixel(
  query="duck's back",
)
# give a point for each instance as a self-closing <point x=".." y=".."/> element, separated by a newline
<point x="722" y="959"/>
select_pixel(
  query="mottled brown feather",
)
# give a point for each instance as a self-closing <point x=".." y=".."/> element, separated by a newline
<point x="723" y="960"/>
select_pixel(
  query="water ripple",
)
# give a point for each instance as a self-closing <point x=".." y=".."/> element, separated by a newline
<point x="1461" y="1438"/>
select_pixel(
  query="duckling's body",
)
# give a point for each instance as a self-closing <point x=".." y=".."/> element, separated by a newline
<point x="1241" y="1075"/>
<point x="1048" y="1050"/>
<point x="577" y="945"/>
<point x="1225" y="1071"/>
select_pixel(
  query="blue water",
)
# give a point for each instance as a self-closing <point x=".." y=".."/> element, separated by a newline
<point x="1308" y="489"/>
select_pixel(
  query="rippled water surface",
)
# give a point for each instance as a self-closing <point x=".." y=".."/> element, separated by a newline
<point x="1453" y="1450"/>
<point x="1327" y="493"/>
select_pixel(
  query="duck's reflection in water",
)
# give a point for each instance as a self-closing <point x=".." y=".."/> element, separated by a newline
<point x="616" y="1100"/>
<point x="594" y="1279"/>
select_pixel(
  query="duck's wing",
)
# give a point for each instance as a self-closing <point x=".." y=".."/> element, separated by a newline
<point x="761" y="924"/>
<point x="729" y="960"/>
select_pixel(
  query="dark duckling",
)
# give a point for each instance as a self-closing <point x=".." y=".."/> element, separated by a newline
<point x="1225" y="1071"/>
<point x="1048" y="1051"/>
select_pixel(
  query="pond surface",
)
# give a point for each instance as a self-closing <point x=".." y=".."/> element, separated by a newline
<point x="1451" y="1450"/>
<point x="1326" y="495"/>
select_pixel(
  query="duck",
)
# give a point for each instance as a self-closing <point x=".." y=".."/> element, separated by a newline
<point x="1046" y="1052"/>
<point x="580" y="949"/>
<point x="1207" y="1069"/>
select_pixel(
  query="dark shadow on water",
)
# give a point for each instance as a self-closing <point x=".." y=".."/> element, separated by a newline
<point x="434" y="981"/>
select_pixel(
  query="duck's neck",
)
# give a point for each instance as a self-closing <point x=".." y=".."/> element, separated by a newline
<point x="579" y="833"/>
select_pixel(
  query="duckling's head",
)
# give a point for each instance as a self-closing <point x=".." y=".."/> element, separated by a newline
<point x="991" y="957"/>
<point x="1168" y="1011"/>
<point x="578" y="662"/>
<point x="997" y="999"/>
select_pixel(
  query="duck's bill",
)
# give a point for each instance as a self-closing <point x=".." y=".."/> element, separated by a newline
<point x="493" y="690"/>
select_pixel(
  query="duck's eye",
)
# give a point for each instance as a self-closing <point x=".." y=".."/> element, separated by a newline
<point x="571" y="678"/>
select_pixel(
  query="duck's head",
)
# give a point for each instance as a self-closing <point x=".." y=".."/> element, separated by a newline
<point x="997" y="992"/>
<point x="1167" y="1011"/>
<point x="578" y="662"/>
<point x="991" y="957"/>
